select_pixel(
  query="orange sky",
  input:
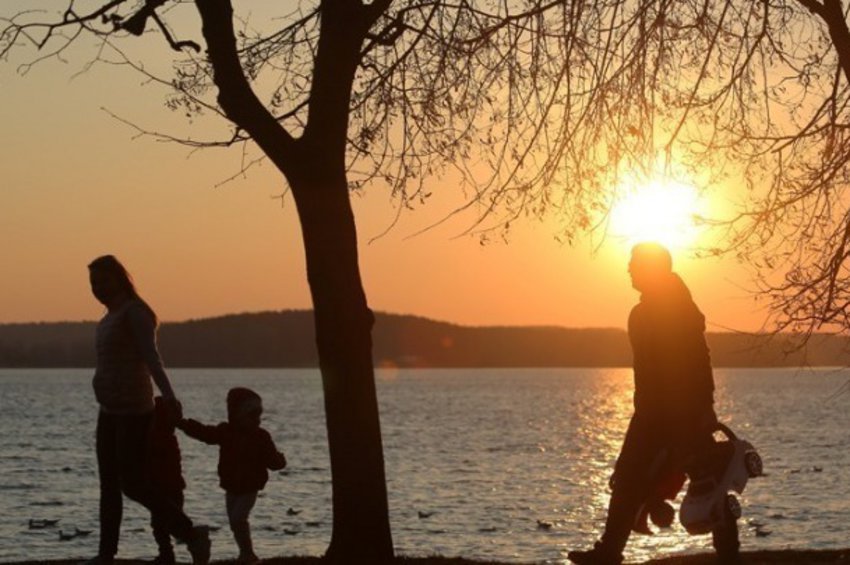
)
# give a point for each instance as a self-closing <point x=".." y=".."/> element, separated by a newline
<point x="76" y="185"/>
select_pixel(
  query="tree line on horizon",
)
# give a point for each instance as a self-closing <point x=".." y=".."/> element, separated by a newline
<point x="286" y="339"/>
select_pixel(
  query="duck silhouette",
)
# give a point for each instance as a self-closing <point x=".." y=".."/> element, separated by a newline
<point x="65" y="537"/>
<point x="293" y="512"/>
<point x="542" y="525"/>
<point x="40" y="524"/>
<point x="423" y="514"/>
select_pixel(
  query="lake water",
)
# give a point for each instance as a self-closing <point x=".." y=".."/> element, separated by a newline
<point x="487" y="452"/>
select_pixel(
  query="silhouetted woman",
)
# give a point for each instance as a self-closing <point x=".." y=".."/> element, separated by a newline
<point x="127" y="362"/>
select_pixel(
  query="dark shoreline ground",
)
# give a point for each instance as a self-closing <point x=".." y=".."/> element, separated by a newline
<point x="785" y="556"/>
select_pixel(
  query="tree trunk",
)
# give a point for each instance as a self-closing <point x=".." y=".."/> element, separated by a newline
<point x="314" y="166"/>
<point x="361" y="528"/>
<point x="832" y="13"/>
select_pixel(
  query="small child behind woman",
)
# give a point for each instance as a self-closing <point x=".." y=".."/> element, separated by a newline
<point x="166" y="474"/>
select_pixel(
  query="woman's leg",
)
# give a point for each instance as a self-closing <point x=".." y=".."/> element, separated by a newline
<point x="111" y="503"/>
<point x="132" y="441"/>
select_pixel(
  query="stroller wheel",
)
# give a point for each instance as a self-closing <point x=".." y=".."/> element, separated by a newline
<point x="733" y="506"/>
<point x="754" y="465"/>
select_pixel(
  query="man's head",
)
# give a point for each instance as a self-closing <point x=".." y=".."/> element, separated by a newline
<point x="650" y="265"/>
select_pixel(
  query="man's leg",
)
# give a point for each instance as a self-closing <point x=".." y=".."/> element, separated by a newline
<point x="638" y="466"/>
<point x="724" y="538"/>
<point x="626" y="500"/>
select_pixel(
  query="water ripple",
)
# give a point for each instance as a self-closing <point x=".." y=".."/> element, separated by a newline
<point x="485" y="454"/>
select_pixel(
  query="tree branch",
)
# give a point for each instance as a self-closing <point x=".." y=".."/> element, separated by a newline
<point x="236" y="97"/>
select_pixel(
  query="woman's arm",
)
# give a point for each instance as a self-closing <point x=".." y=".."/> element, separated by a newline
<point x="143" y="328"/>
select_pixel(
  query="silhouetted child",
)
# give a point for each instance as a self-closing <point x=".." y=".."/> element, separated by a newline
<point x="246" y="453"/>
<point x="165" y="472"/>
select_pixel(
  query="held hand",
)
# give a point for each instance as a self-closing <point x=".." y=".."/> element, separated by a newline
<point x="175" y="410"/>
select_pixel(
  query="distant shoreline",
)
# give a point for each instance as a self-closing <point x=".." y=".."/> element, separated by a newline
<point x="286" y="340"/>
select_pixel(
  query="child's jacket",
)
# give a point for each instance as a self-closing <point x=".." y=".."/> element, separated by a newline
<point x="244" y="457"/>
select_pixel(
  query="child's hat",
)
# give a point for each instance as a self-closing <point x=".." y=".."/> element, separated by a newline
<point x="241" y="400"/>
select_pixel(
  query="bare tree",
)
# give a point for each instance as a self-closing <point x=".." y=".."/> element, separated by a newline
<point x="756" y="93"/>
<point x="357" y="93"/>
<point x="529" y="103"/>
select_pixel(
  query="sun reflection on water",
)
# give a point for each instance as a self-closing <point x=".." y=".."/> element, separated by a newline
<point x="602" y="418"/>
<point x="602" y="423"/>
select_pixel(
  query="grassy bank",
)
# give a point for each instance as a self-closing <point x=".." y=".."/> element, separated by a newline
<point x="784" y="557"/>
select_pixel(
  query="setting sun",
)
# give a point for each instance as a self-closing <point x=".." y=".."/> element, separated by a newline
<point x="659" y="210"/>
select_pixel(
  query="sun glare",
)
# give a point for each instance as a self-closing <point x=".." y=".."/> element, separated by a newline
<point x="661" y="211"/>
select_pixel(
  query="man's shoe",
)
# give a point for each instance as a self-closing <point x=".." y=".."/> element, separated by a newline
<point x="199" y="545"/>
<point x="247" y="559"/>
<point x="729" y="558"/>
<point x="595" y="556"/>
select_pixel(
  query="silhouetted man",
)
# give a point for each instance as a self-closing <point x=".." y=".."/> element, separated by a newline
<point x="674" y="415"/>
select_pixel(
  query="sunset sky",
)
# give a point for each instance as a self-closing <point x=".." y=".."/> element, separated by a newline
<point x="76" y="184"/>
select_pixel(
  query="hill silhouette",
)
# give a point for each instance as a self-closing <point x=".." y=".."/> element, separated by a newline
<point x="286" y="339"/>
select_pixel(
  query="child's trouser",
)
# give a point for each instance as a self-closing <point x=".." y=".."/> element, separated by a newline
<point x="160" y="531"/>
<point x="238" y="509"/>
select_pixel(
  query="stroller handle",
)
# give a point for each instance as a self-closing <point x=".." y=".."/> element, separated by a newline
<point x="726" y="431"/>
